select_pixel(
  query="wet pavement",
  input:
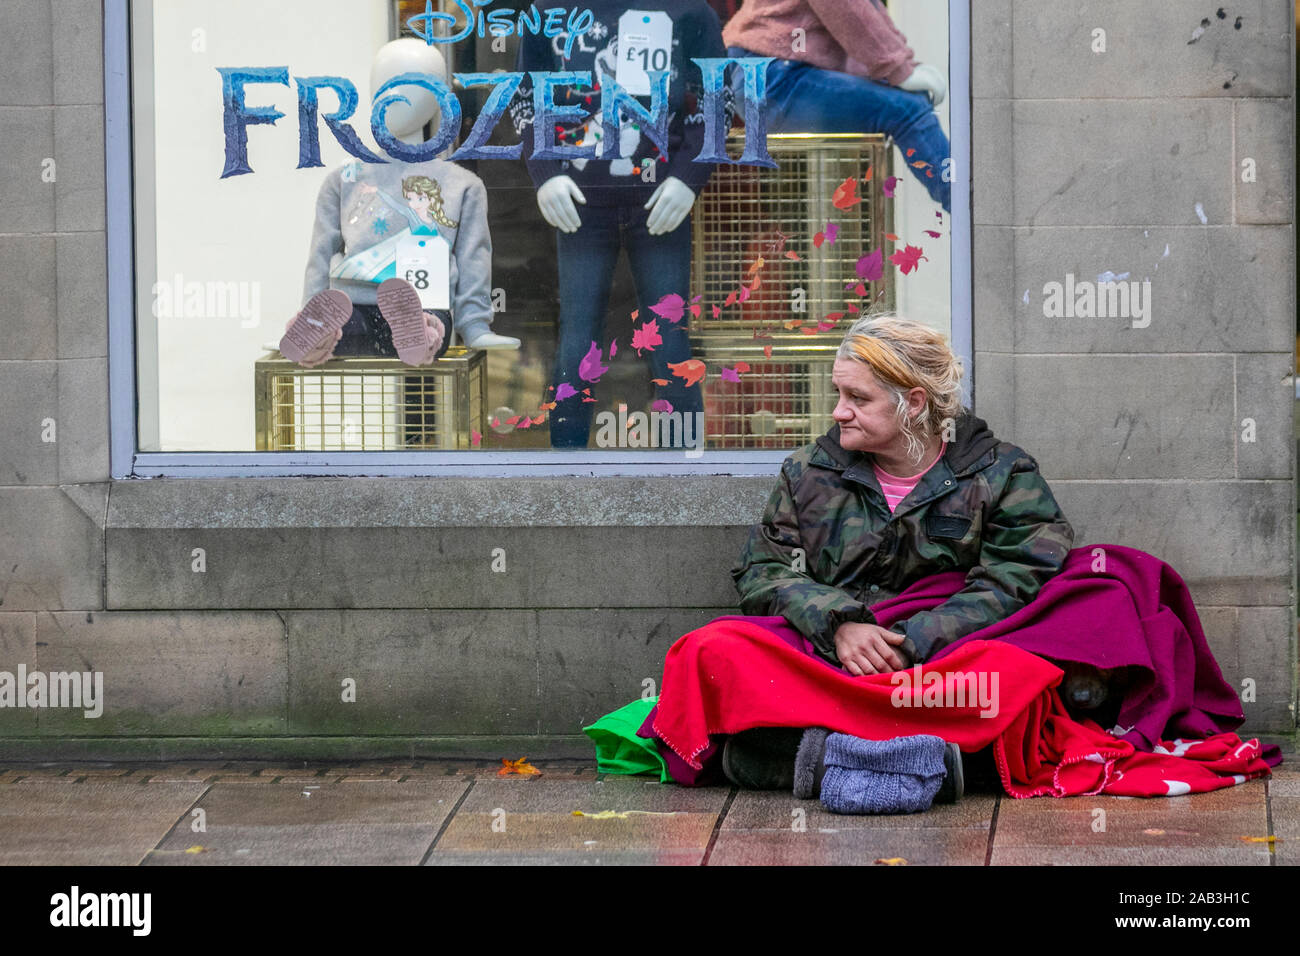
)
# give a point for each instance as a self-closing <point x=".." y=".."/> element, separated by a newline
<point x="448" y="812"/>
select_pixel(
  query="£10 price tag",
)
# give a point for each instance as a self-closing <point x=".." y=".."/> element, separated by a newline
<point x="645" y="45"/>
<point x="425" y="262"/>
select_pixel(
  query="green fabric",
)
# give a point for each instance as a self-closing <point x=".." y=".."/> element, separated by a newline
<point x="619" y="749"/>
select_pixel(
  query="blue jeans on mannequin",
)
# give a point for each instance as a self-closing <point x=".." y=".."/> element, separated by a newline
<point x="660" y="265"/>
<point x="802" y="98"/>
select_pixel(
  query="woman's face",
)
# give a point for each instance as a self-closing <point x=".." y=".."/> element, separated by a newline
<point x="865" y="411"/>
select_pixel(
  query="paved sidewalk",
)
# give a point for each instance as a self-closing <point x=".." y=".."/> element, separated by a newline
<point x="458" y="812"/>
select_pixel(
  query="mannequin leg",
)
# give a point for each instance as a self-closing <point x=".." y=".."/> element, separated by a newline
<point x="802" y="98"/>
<point x="661" y="265"/>
<point x="586" y="261"/>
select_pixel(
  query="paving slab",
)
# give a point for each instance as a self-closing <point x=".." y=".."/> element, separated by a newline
<point x="509" y="819"/>
<point x="1245" y="855"/>
<point x="366" y="823"/>
<point x="89" y="824"/>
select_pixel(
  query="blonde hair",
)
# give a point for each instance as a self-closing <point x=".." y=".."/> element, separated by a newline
<point x="904" y="354"/>
<point x="424" y="186"/>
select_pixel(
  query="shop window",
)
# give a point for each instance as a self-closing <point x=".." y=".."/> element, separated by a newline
<point x="698" y="335"/>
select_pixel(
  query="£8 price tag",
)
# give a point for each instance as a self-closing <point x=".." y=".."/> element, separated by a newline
<point x="645" y="45"/>
<point x="425" y="262"/>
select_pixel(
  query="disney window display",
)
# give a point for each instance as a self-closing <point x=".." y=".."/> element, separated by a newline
<point x="399" y="251"/>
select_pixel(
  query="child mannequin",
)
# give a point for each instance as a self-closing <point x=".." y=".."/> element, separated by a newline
<point x="383" y="226"/>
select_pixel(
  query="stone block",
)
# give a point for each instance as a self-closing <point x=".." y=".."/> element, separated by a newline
<point x="80" y="190"/>
<point x="26" y="56"/>
<point x="29" y="394"/>
<point x="1265" y="135"/>
<point x="27" y="290"/>
<point x="82" y="295"/>
<point x="1112" y="162"/>
<point x="78" y="51"/>
<point x="1127" y="416"/>
<point x="1231" y="542"/>
<point x="992" y="140"/>
<point x="995" y="307"/>
<point x="187" y="674"/>
<point x="1265" y="396"/>
<point x="593" y="661"/>
<point x="995" y="392"/>
<point x="1154" y="49"/>
<point x="421" y="567"/>
<point x="1242" y="304"/>
<point x="26" y="142"/>
<point x="1264" y="641"/>
<point x="990" y="50"/>
<point x="17" y="648"/>
<point x="83" y="421"/>
<point x="415" y="672"/>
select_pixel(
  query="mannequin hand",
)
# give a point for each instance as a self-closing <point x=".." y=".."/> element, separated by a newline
<point x="929" y="80"/>
<point x="669" y="206"/>
<point x="555" y="199"/>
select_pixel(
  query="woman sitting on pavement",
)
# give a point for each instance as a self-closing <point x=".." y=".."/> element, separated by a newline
<point x="907" y="484"/>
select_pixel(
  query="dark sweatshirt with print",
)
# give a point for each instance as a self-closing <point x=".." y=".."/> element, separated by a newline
<point x="696" y="32"/>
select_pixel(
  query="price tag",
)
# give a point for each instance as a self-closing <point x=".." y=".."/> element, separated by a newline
<point x="645" y="45"/>
<point x="425" y="262"/>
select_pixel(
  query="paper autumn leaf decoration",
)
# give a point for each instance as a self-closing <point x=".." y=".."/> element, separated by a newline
<point x="539" y="419"/>
<point x="658" y="381"/>
<point x="590" y="369"/>
<point x="744" y="293"/>
<point x="716" y="311"/>
<point x="891" y="237"/>
<point x="846" y="194"/>
<point x="521" y="767"/>
<point x="792" y="324"/>
<point x="818" y="240"/>
<point x="887" y="187"/>
<point x="691" y="371"/>
<point x="792" y="255"/>
<point x="647" y="336"/>
<point x="662" y="405"/>
<point x="767" y="351"/>
<point x="828" y="323"/>
<point x="731" y="300"/>
<point x="742" y="367"/>
<point x="920" y="164"/>
<point x="729" y="375"/>
<point x="758" y="264"/>
<point x="475" y="438"/>
<point x="932" y="234"/>
<point x="547" y="405"/>
<point x="869" y="173"/>
<point x="907" y="258"/>
<point x="670" y="307"/>
<point x="613" y="348"/>
<point x="565" y="391"/>
<point x="872" y="266"/>
<point x="911" y="153"/>
<point x="695" y="310"/>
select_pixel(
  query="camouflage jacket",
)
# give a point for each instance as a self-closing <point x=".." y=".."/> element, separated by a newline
<point x="827" y="546"/>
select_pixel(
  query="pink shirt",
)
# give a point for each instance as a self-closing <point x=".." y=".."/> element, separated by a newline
<point x="848" y="36"/>
<point x="895" y="488"/>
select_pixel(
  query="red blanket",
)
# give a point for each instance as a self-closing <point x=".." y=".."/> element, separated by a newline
<point x="734" y="674"/>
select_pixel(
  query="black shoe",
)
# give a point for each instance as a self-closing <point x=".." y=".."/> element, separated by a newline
<point x="954" y="781"/>
<point x="762" y="758"/>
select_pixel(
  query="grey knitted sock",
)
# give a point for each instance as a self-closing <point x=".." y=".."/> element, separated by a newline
<point x="882" y="776"/>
